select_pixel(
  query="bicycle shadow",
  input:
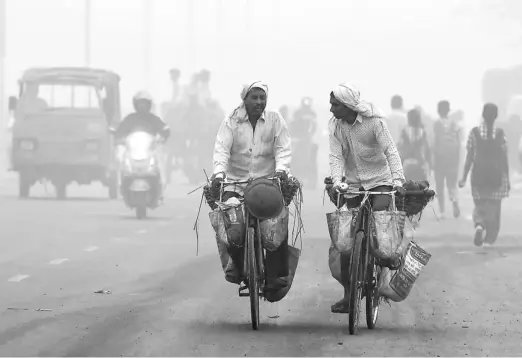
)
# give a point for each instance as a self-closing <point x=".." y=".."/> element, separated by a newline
<point x="270" y="326"/>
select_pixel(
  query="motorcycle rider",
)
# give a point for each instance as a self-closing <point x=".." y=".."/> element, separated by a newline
<point x="253" y="142"/>
<point x="143" y="119"/>
<point x="361" y="150"/>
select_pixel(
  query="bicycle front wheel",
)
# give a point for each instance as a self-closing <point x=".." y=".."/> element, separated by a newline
<point x="372" y="292"/>
<point x="253" y="279"/>
<point x="356" y="284"/>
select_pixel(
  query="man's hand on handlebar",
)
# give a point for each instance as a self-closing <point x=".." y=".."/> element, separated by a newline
<point x="216" y="180"/>
<point x="399" y="190"/>
<point x="282" y="175"/>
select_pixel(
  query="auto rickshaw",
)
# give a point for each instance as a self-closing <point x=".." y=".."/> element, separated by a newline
<point x="61" y="129"/>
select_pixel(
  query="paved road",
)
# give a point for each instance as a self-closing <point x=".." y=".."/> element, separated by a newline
<point x="165" y="300"/>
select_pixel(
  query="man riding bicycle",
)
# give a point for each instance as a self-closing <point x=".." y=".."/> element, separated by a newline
<point x="363" y="155"/>
<point x="253" y="142"/>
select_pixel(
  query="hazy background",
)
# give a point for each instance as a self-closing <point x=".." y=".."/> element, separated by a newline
<point x="424" y="50"/>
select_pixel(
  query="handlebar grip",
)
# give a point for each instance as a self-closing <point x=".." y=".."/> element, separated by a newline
<point x="418" y="192"/>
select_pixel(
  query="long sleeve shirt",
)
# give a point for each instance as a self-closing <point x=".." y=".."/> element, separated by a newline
<point x="365" y="153"/>
<point x="244" y="153"/>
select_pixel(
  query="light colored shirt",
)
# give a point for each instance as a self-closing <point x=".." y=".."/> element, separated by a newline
<point x="243" y="153"/>
<point x="365" y="153"/>
<point x="397" y="120"/>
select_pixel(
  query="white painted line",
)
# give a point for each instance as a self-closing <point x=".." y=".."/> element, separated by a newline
<point x="141" y="232"/>
<point x="120" y="239"/>
<point x="91" y="248"/>
<point x="58" y="261"/>
<point x="18" y="278"/>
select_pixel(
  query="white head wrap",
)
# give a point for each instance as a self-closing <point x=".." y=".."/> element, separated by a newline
<point x="240" y="111"/>
<point x="350" y="96"/>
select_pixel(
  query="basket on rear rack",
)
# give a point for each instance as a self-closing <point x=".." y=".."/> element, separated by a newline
<point x="414" y="204"/>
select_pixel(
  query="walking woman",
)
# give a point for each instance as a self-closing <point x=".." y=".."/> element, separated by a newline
<point x="414" y="148"/>
<point x="488" y="161"/>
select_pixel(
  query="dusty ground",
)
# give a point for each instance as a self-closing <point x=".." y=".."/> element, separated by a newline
<point x="165" y="301"/>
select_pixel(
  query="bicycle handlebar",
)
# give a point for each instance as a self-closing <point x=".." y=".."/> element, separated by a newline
<point x="238" y="182"/>
<point x="407" y="193"/>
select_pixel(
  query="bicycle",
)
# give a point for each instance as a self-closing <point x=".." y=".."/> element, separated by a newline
<point x="364" y="267"/>
<point x="254" y="257"/>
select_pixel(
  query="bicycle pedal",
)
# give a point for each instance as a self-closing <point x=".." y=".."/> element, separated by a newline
<point x="242" y="293"/>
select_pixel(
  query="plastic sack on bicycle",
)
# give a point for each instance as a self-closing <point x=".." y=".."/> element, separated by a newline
<point x="388" y="242"/>
<point x="397" y="285"/>
<point x="341" y="224"/>
<point x="228" y="221"/>
<point x="274" y="231"/>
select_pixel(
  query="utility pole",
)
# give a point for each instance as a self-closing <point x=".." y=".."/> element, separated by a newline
<point x="220" y="29"/>
<point x="87" y="32"/>
<point x="3" y="47"/>
<point x="247" y="16"/>
<point x="148" y="11"/>
<point x="191" y="33"/>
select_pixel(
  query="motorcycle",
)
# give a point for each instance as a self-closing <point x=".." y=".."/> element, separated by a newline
<point x="140" y="175"/>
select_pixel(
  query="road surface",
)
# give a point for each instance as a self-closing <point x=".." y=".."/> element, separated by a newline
<point x="166" y="301"/>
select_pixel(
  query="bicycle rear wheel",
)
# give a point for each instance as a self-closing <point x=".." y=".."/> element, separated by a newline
<point x="356" y="284"/>
<point x="253" y="279"/>
<point x="372" y="292"/>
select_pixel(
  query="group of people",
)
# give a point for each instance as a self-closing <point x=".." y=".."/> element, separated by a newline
<point x="486" y="159"/>
<point x="425" y="151"/>
<point x="254" y="141"/>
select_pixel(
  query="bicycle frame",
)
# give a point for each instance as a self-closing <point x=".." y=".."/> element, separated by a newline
<point x="253" y="222"/>
<point x="253" y="260"/>
<point x="362" y="264"/>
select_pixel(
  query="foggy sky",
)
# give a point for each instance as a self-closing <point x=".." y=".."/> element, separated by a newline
<point x="424" y="50"/>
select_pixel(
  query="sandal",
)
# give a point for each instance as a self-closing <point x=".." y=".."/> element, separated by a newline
<point x="340" y="307"/>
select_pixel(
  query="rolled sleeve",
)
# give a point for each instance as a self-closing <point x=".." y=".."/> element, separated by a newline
<point x="336" y="160"/>
<point x="392" y="154"/>
<point x="222" y="147"/>
<point x="282" y="146"/>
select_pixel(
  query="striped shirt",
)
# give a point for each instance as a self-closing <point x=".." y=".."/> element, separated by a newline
<point x="365" y="153"/>
<point x="244" y="153"/>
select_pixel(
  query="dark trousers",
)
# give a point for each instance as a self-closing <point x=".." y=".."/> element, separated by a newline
<point x="446" y="176"/>
<point x="276" y="262"/>
<point x="487" y="214"/>
<point x="379" y="203"/>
